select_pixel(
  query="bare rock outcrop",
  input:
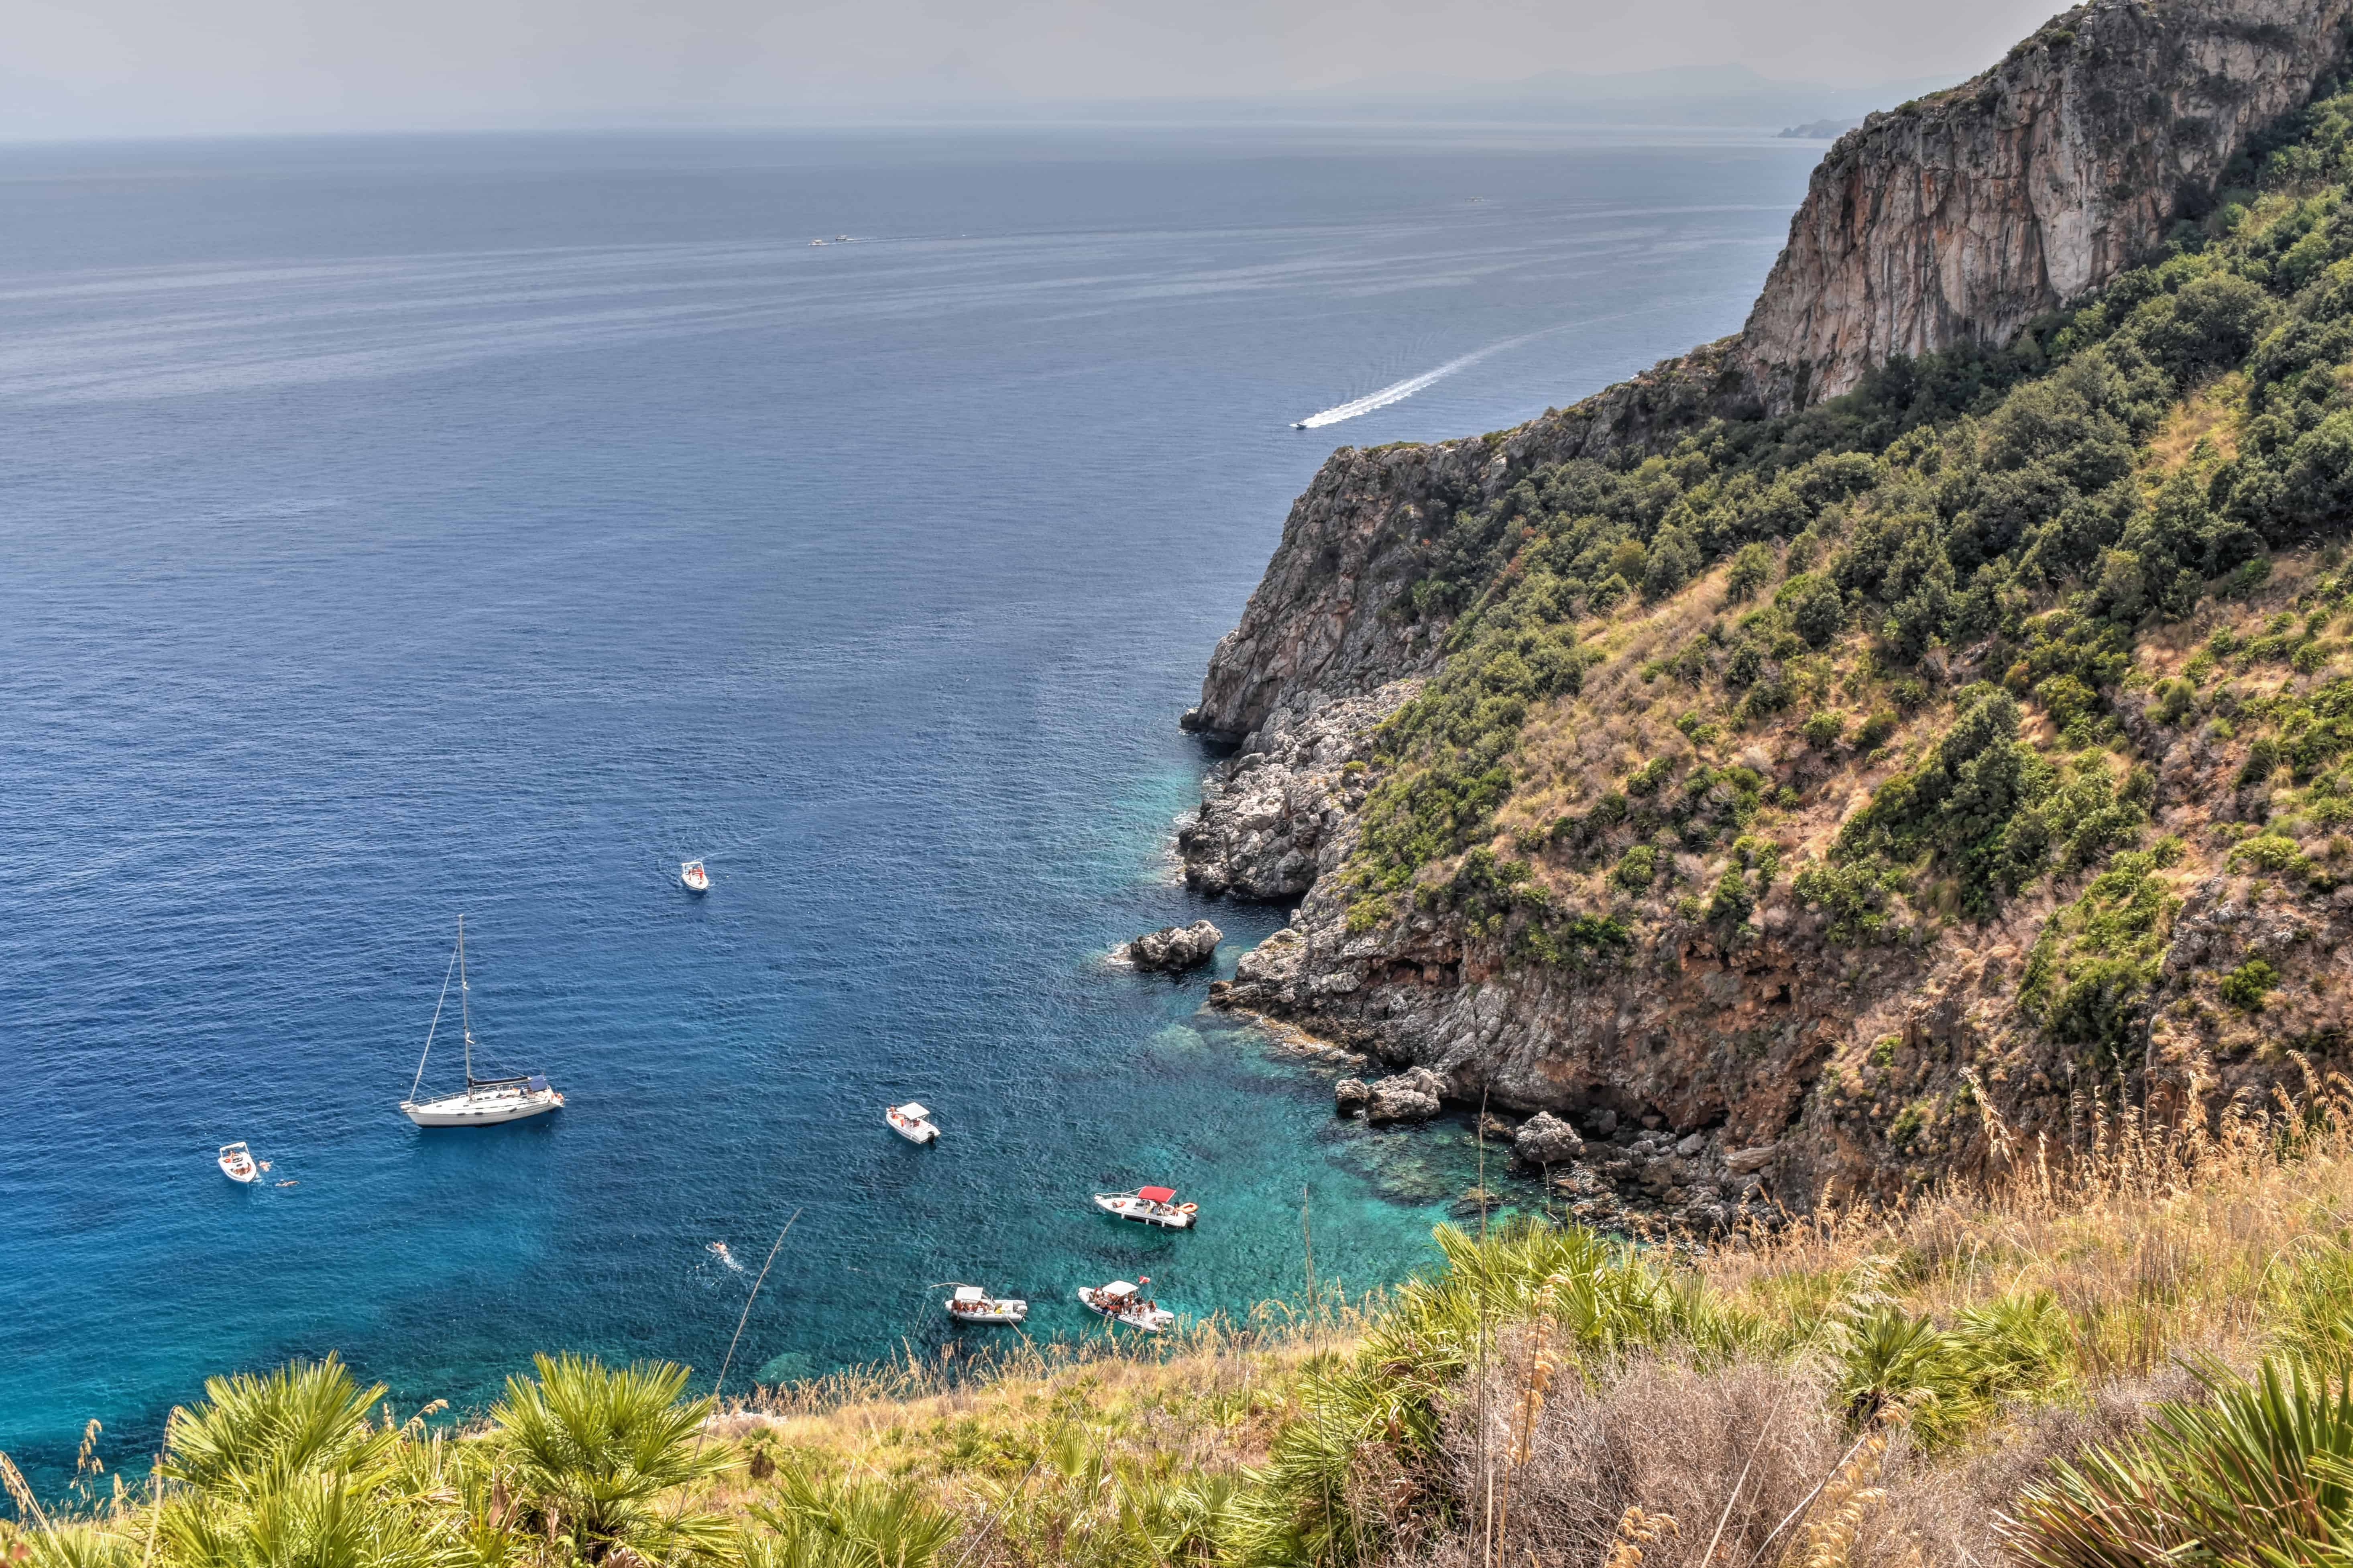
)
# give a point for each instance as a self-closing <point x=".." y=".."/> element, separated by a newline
<point x="1414" y="1095"/>
<point x="1173" y="949"/>
<point x="1544" y="1139"/>
<point x="1271" y="816"/>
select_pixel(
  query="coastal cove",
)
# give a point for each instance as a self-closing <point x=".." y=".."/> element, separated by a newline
<point x="395" y="528"/>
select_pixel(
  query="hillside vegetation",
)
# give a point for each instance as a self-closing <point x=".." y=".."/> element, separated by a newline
<point x="1913" y="656"/>
<point x="2140" y="1359"/>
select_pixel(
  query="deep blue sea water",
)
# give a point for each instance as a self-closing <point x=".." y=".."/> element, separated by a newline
<point x="392" y="528"/>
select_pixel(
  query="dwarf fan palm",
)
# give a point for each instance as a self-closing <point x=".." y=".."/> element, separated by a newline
<point x="592" y="1449"/>
<point x="2262" y="1474"/>
<point x="841" y="1525"/>
<point x="252" y="1434"/>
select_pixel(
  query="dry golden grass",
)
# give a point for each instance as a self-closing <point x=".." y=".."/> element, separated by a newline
<point x="2213" y="414"/>
<point x="2169" y="1237"/>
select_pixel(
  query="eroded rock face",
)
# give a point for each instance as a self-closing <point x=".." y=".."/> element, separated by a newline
<point x="1964" y="214"/>
<point x="1173" y="949"/>
<point x="1269" y="817"/>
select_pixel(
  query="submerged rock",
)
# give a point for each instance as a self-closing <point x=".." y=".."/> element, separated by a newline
<point x="1173" y="949"/>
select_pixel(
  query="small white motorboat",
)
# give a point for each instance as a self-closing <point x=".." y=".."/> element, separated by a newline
<point x="1149" y="1206"/>
<point x="1124" y="1302"/>
<point x="971" y="1304"/>
<point x="236" y="1163"/>
<point x="696" y="879"/>
<point x="912" y="1122"/>
<point x="483" y="1102"/>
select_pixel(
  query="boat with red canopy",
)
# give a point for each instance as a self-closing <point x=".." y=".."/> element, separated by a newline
<point x="1149" y="1206"/>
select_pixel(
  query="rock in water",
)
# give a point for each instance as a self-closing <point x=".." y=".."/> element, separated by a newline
<point x="1410" y="1096"/>
<point x="1173" y="949"/>
<point x="1349" y="1096"/>
<point x="1545" y="1139"/>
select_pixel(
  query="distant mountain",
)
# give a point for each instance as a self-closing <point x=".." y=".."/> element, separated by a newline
<point x="1823" y="129"/>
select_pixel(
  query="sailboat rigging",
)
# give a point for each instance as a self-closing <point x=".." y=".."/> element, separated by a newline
<point x="484" y="1101"/>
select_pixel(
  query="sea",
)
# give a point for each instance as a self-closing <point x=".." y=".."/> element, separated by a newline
<point x="394" y="529"/>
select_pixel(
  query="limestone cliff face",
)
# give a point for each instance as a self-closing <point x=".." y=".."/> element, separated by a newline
<point x="1326" y="621"/>
<point x="1961" y="216"/>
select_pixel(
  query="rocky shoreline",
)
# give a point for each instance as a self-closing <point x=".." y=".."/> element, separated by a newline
<point x="1713" y="1070"/>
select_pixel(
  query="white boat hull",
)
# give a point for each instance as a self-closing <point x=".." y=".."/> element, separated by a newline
<point x="1150" y="1320"/>
<point x="922" y="1132"/>
<point x="481" y="1109"/>
<point x="1168" y="1216"/>
<point x="245" y="1176"/>
<point x="1005" y="1310"/>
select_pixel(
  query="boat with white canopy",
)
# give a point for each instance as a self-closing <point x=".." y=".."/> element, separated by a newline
<point x="1124" y="1302"/>
<point x="483" y="1102"/>
<point x="912" y="1121"/>
<point x="971" y="1304"/>
<point x="1149" y="1206"/>
<point x="696" y="879"/>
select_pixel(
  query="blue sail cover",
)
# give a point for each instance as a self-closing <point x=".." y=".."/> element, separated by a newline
<point x="536" y="1084"/>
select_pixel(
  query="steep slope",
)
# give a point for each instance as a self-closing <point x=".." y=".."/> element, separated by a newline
<point x="1954" y="220"/>
<point x="1768" y="805"/>
<point x="1962" y="217"/>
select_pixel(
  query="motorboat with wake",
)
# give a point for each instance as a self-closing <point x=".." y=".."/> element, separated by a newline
<point x="971" y="1304"/>
<point x="1149" y="1206"/>
<point x="483" y="1102"/>
<point x="236" y="1163"/>
<point x="912" y="1121"/>
<point x="1122" y="1301"/>
<point x="696" y="879"/>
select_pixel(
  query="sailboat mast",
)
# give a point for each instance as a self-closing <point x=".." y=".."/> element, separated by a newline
<point x="465" y="1012"/>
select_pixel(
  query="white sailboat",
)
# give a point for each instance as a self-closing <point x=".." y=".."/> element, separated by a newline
<point x="483" y="1102"/>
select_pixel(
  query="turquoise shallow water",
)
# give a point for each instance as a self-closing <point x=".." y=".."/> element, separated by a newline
<point x="396" y="528"/>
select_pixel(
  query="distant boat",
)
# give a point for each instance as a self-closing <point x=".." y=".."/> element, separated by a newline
<point x="1124" y="1302"/>
<point x="237" y="1164"/>
<point x="697" y="880"/>
<point x="1149" y="1206"/>
<point x="483" y="1102"/>
<point x="912" y="1122"/>
<point x="971" y="1304"/>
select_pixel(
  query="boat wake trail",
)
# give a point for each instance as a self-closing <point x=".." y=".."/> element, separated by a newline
<point x="1399" y="391"/>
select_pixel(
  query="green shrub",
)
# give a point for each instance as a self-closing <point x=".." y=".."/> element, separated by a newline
<point x="1752" y="568"/>
<point x="1824" y="728"/>
<point x="1637" y="868"/>
<point x="2245" y="987"/>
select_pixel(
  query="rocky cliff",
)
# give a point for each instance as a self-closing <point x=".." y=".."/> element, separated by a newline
<point x="1959" y="218"/>
<point x="1476" y="673"/>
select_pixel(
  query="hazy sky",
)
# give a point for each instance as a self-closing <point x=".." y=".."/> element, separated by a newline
<point x="77" y="68"/>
